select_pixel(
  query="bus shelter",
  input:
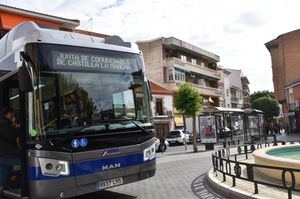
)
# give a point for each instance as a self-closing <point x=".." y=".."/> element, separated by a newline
<point x="254" y="125"/>
<point x="229" y="122"/>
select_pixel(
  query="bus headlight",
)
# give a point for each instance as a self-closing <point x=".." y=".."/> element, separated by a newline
<point x="149" y="153"/>
<point x="52" y="167"/>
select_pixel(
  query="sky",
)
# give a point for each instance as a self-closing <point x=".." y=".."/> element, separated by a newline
<point x="236" y="30"/>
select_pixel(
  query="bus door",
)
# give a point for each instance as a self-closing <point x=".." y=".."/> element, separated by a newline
<point x="10" y="96"/>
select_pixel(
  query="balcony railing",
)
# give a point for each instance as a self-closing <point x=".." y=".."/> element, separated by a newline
<point x="204" y="90"/>
<point x="195" y="68"/>
<point x="293" y="107"/>
<point x="235" y="99"/>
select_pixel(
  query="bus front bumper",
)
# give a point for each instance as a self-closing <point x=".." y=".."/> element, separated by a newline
<point x="66" y="187"/>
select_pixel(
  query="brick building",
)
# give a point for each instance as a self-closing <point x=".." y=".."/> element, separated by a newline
<point x="285" y="57"/>
<point x="171" y="62"/>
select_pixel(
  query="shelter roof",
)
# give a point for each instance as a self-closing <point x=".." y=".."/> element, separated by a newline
<point x="214" y="109"/>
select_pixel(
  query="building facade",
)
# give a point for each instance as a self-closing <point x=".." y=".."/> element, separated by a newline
<point x="239" y="89"/>
<point x="12" y="16"/>
<point x="224" y="85"/>
<point x="171" y="62"/>
<point x="285" y="57"/>
<point x="162" y="109"/>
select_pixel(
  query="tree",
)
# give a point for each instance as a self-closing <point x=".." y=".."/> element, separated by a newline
<point x="189" y="102"/>
<point x="260" y="94"/>
<point x="268" y="105"/>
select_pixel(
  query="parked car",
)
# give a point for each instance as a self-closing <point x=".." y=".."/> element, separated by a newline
<point x="164" y="147"/>
<point x="189" y="135"/>
<point x="197" y="136"/>
<point x="178" y="136"/>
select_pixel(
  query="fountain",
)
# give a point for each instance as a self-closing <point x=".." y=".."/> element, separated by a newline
<point x="285" y="156"/>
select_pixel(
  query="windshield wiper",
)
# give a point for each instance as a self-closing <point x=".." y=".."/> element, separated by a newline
<point x="139" y="126"/>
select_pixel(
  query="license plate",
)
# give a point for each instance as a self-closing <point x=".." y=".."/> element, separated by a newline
<point x="109" y="183"/>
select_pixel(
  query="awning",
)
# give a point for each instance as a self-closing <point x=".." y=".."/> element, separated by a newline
<point x="178" y="120"/>
<point x="182" y="69"/>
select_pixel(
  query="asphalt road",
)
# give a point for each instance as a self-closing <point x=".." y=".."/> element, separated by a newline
<point x="179" y="175"/>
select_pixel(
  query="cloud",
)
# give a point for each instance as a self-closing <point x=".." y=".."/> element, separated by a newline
<point x="250" y="19"/>
<point x="117" y="3"/>
<point x="233" y="29"/>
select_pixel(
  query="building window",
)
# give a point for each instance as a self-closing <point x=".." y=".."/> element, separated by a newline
<point x="179" y="76"/>
<point x="159" y="107"/>
<point x="227" y="92"/>
<point x="183" y="58"/>
<point x="201" y="82"/>
<point x="228" y="105"/>
<point x="202" y="64"/>
<point x="175" y="75"/>
<point x="194" y="61"/>
<point x="170" y="74"/>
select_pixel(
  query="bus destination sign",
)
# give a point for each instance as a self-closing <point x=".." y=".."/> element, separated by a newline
<point x="78" y="61"/>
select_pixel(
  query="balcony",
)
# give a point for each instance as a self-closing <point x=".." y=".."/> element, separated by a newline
<point x="246" y="100"/>
<point x="189" y="48"/>
<point x="203" y="90"/>
<point x="192" y="68"/>
<point x="235" y="99"/>
<point x="294" y="106"/>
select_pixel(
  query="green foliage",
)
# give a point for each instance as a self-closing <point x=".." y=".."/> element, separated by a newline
<point x="188" y="100"/>
<point x="260" y="94"/>
<point x="268" y="105"/>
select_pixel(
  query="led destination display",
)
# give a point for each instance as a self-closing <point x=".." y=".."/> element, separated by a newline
<point x="79" y="61"/>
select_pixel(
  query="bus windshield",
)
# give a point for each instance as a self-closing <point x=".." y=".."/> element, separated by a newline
<point x="68" y="101"/>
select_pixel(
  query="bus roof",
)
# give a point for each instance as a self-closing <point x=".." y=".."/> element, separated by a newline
<point x="29" y="32"/>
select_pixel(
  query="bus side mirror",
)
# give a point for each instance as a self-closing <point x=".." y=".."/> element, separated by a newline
<point x="25" y="77"/>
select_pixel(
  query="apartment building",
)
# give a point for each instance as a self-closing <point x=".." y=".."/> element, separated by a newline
<point x="285" y="57"/>
<point x="224" y="85"/>
<point x="171" y="62"/>
<point x="239" y="89"/>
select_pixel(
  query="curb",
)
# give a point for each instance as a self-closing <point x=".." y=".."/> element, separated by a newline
<point x="226" y="190"/>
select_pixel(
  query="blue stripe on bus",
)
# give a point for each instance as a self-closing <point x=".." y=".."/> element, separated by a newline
<point x="89" y="167"/>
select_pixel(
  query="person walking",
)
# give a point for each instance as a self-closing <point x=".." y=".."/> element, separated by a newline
<point x="9" y="150"/>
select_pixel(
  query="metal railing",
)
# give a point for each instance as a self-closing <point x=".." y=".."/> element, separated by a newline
<point x="230" y="165"/>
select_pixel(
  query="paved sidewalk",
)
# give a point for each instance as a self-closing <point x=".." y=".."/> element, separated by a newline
<point x="291" y="137"/>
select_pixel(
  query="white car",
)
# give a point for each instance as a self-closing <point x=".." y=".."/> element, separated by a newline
<point x="177" y="136"/>
<point x="164" y="147"/>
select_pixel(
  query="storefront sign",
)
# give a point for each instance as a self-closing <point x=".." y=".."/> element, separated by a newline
<point x="207" y="128"/>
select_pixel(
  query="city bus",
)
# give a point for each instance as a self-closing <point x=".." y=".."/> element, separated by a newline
<point x="83" y="105"/>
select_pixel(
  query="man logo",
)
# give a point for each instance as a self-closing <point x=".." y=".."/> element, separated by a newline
<point x="111" y="166"/>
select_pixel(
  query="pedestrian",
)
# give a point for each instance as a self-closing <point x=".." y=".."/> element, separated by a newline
<point x="162" y="146"/>
<point x="9" y="151"/>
